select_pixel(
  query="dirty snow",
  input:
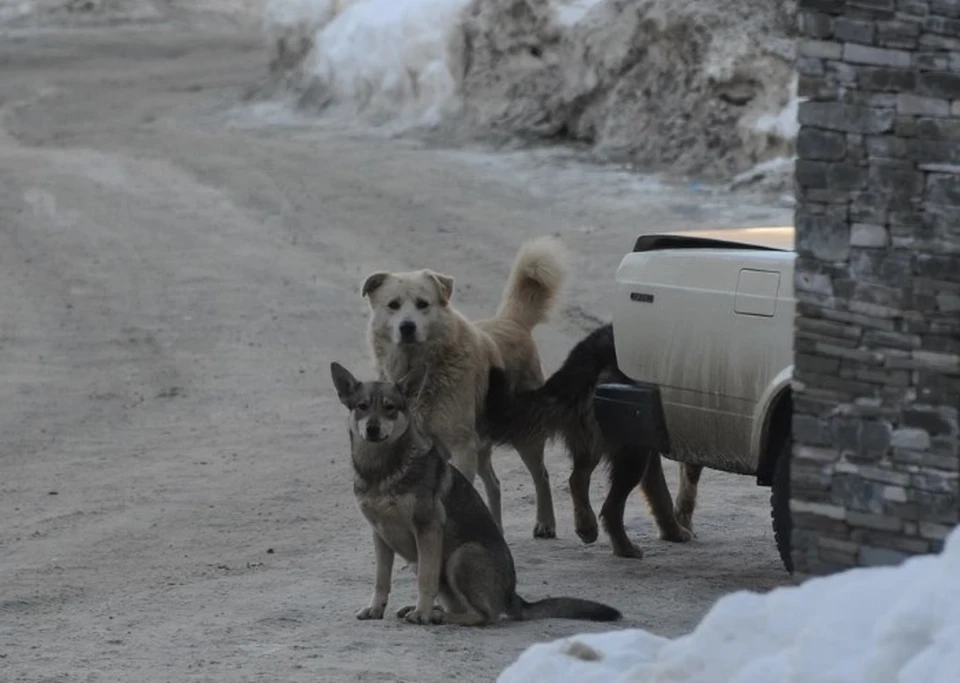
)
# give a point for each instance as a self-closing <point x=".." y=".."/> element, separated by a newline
<point x="784" y="123"/>
<point x="882" y="625"/>
<point x="698" y="87"/>
<point x="389" y="58"/>
<point x="571" y="12"/>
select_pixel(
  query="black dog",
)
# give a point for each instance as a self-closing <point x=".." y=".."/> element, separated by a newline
<point x="563" y="407"/>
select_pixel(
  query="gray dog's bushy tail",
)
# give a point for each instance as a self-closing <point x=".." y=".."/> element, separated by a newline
<point x="538" y="273"/>
<point x="563" y="608"/>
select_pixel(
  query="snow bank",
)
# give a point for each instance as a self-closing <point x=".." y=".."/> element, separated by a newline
<point x="690" y="86"/>
<point x="703" y="87"/>
<point x="391" y="59"/>
<point x="871" y="625"/>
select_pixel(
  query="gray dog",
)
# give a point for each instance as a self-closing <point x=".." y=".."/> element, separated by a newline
<point x="423" y="509"/>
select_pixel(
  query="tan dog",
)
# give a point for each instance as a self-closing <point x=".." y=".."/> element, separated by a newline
<point x="415" y="334"/>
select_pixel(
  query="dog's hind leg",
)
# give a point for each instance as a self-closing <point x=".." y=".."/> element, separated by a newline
<point x="467" y="618"/>
<point x="654" y="486"/>
<point x="627" y="466"/>
<point x="585" y="460"/>
<point x="531" y="453"/>
<point x="449" y="600"/>
<point x="490" y="483"/>
<point x="470" y="587"/>
<point x="471" y="459"/>
<point x="687" y="494"/>
<point x="463" y="456"/>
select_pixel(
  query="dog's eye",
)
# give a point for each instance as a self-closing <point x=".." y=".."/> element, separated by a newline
<point x="389" y="407"/>
<point x="363" y="405"/>
<point x="422" y="304"/>
<point x="394" y="305"/>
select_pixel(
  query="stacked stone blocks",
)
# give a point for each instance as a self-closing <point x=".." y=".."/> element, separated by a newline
<point x="877" y="346"/>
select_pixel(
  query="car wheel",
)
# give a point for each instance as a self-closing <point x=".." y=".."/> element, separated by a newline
<point x="780" y="503"/>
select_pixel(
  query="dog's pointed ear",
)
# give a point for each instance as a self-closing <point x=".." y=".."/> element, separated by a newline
<point x="444" y="285"/>
<point x="373" y="282"/>
<point x="345" y="383"/>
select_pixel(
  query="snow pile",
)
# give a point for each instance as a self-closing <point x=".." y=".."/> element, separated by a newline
<point x="870" y="625"/>
<point x="391" y="59"/>
<point x="703" y="87"/>
<point x="693" y="86"/>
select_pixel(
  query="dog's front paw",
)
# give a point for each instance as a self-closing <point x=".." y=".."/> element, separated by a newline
<point x="677" y="535"/>
<point x="588" y="534"/>
<point x="684" y="518"/>
<point x="374" y="612"/>
<point x="544" y="530"/>
<point x="412" y="615"/>
<point x="585" y="522"/>
<point x="628" y="549"/>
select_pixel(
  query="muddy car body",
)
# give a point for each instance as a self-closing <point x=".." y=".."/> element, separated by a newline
<point x="703" y="326"/>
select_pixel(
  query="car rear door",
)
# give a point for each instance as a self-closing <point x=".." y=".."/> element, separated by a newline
<point x="699" y="323"/>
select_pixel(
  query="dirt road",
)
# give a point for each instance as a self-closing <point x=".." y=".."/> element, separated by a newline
<point x="175" y="277"/>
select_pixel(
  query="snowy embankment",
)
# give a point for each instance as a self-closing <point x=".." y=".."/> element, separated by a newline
<point x="877" y="625"/>
<point x="388" y="58"/>
<point x="692" y="86"/>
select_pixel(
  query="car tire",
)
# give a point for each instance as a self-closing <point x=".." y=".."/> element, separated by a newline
<point x="780" y="503"/>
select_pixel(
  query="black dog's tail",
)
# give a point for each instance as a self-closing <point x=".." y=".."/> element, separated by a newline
<point x="562" y="608"/>
<point x="542" y="412"/>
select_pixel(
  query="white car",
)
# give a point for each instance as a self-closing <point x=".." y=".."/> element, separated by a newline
<point x="703" y="326"/>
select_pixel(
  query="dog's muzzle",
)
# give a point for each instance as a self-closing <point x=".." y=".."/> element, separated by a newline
<point x="374" y="433"/>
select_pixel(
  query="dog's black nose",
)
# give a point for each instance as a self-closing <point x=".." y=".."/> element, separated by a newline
<point x="408" y="328"/>
<point x="373" y="430"/>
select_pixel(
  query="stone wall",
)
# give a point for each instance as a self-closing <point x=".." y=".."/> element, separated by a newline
<point x="877" y="381"/>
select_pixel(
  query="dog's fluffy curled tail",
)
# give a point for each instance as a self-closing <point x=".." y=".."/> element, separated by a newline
<point x="563" y="608"/>
<point x="538" y="273"/>
<point x="544" y="411"/>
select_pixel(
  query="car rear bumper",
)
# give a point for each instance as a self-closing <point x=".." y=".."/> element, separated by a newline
<point x="632" y="414"/>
